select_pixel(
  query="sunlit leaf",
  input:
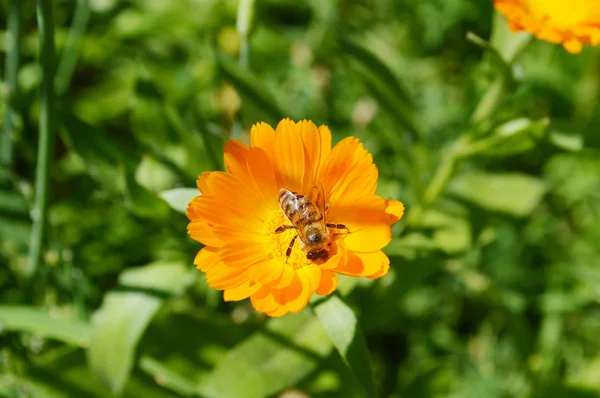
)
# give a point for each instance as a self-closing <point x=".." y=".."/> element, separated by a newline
<point x="515" y="194"/>
<point x="179" y="198"/>
<point x="119" y="323"/>
<point x="342" y="327"/>
<point x="40" y="321"/>
<point x="281" y="355"/>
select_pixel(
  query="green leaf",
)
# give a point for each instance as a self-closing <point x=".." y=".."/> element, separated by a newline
<point x="511" y="193"/>
<point x="511" y="138"/>
<point x="166" y="377"/>
<point x="342" y="327"/>
<point x="280" y="356"/>
<point x="250" y="87"/>
<point x="139" y="200"/>
<point x="38" y="320"/>
<point x="568" y="142"/>
<point x="118" y="324"/>
<point x="179" y="198"/>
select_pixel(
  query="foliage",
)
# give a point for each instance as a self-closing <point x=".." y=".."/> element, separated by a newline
<point x="491" y="142"/>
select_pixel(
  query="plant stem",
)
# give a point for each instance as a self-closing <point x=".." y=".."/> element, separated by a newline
<point x="244" y="19"/>
<point x="489" y="101"/>
<point x="10" y="89"/>
<point x="66" y="66"/>
<point x="46" y="136"/>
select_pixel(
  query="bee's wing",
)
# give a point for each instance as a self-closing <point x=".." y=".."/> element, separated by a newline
<point x="317" y="196"/>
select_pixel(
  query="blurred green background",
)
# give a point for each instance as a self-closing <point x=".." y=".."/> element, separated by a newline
<point x="491" y="142"/>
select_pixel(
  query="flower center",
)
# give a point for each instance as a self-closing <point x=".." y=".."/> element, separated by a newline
<point x="281" y="242"/>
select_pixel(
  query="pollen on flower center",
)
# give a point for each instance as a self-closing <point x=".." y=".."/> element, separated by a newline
<point x="281" y="242"/>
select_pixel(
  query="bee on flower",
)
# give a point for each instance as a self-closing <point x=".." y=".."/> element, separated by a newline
<point x="572" y="23"/>
<point x="290" y="213"/>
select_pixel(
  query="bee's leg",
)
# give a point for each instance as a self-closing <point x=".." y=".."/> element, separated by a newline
<point x="283" y="228"/>
<point x="289" y="249"/>
<point x="339" y="226"/>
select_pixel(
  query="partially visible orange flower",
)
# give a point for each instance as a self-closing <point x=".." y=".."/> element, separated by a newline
<point x="238" y="212"/>
<point x="570" y="22"/>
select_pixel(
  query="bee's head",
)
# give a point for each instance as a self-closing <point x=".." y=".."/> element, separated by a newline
<point x="318" y="256"/>
<point x="314" y="237"/>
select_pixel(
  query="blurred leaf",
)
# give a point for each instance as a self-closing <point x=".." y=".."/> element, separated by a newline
<point x="557" y="390"/>
<point x="568" y="142"/>
<point x="39" y="321"/>
<point x="250" y="87"/>
<point x="511" y="138"/>
<point x="141" y="201"/>
<point x="167" y="377"/>
<point x="377" y="68"/>
<point x="454" y="238"/>
<point x="342" y="327"/>
<point x="281" y="355"/>
<point x="393" y="103"/>
<point x="179" y="198"/>
<point x="13" y="204"/>
<point x="515" y="194"/>
<point x="574" y="177"/>
<point x="118" y="324"/>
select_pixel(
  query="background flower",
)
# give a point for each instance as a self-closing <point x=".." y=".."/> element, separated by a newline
<point x="238" y="212"/>
<point x="572" y="23"/>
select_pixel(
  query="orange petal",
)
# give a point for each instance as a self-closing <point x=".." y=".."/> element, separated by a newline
<point x="222" y="277"/>
<point x="264" y="300"/>
<point x="295" y="297"/>
<point x="394" y="210"/>
<point x="266" y="272"/>
<point x="348" y="155"/>
<point x="235" y="153"/>
<point x="243" y="253"/>
<point x="200" y="231"/>
<point x="241" y="292"/>
<point x="367" y="264"/>
<point x="280" y="311"/>
<point x="215" y="211"/>
<point x="327" y="284"/>
<point x="261" y="171"/>
<point x="369" y="239"/>
<point x="228" y="233"/>
<point x="235" y="192"/>
<point x="288" y="158"/>
<point x="325" y="139"/>
<point x="206" y="258"/>
<point x="263" y="136"/>
<point x="286" y="278"/>
<point x="311" y="142"/>
<point x="312" y="275"/>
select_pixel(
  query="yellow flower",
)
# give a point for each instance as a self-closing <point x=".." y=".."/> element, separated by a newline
<point x="238" y="217"/>
<point x="570" y="22"/>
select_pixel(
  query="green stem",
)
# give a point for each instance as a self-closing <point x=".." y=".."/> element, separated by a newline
<point x="440" y="179"/>
<point x="64" y="72"/>
<point x="489" y="101"/>
<point x="46" y="137"/>
<point x="11" y="68"/>
<point x="244" y="19"/>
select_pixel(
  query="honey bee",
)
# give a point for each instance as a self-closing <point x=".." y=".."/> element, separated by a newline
<point x="308" y="217"/>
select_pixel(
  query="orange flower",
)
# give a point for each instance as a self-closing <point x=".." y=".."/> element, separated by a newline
<point x="572" y="23"/>
<point x="238" y="212"/>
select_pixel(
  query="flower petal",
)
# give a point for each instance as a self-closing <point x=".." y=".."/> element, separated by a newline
<point x="289" y="157"/>
<point x="327" y="283"/>
<point x="263" y="136"/>
<point x="261" y="171"/>
<point x="206" y="258"/>
<point x="266" y="272"/>
<point x="264" y="300"/>
<point x="222" y="277"/>
<point x="241" y="292"/>
<point x="365" y="264"/>
<point x="200" y="231"/>
<point x="295" y="297"/>
<point x="235" y="153"/>
<point x="243" y="253"/>
<point x="394" y="210"/>
<point x="285" y="279"/>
